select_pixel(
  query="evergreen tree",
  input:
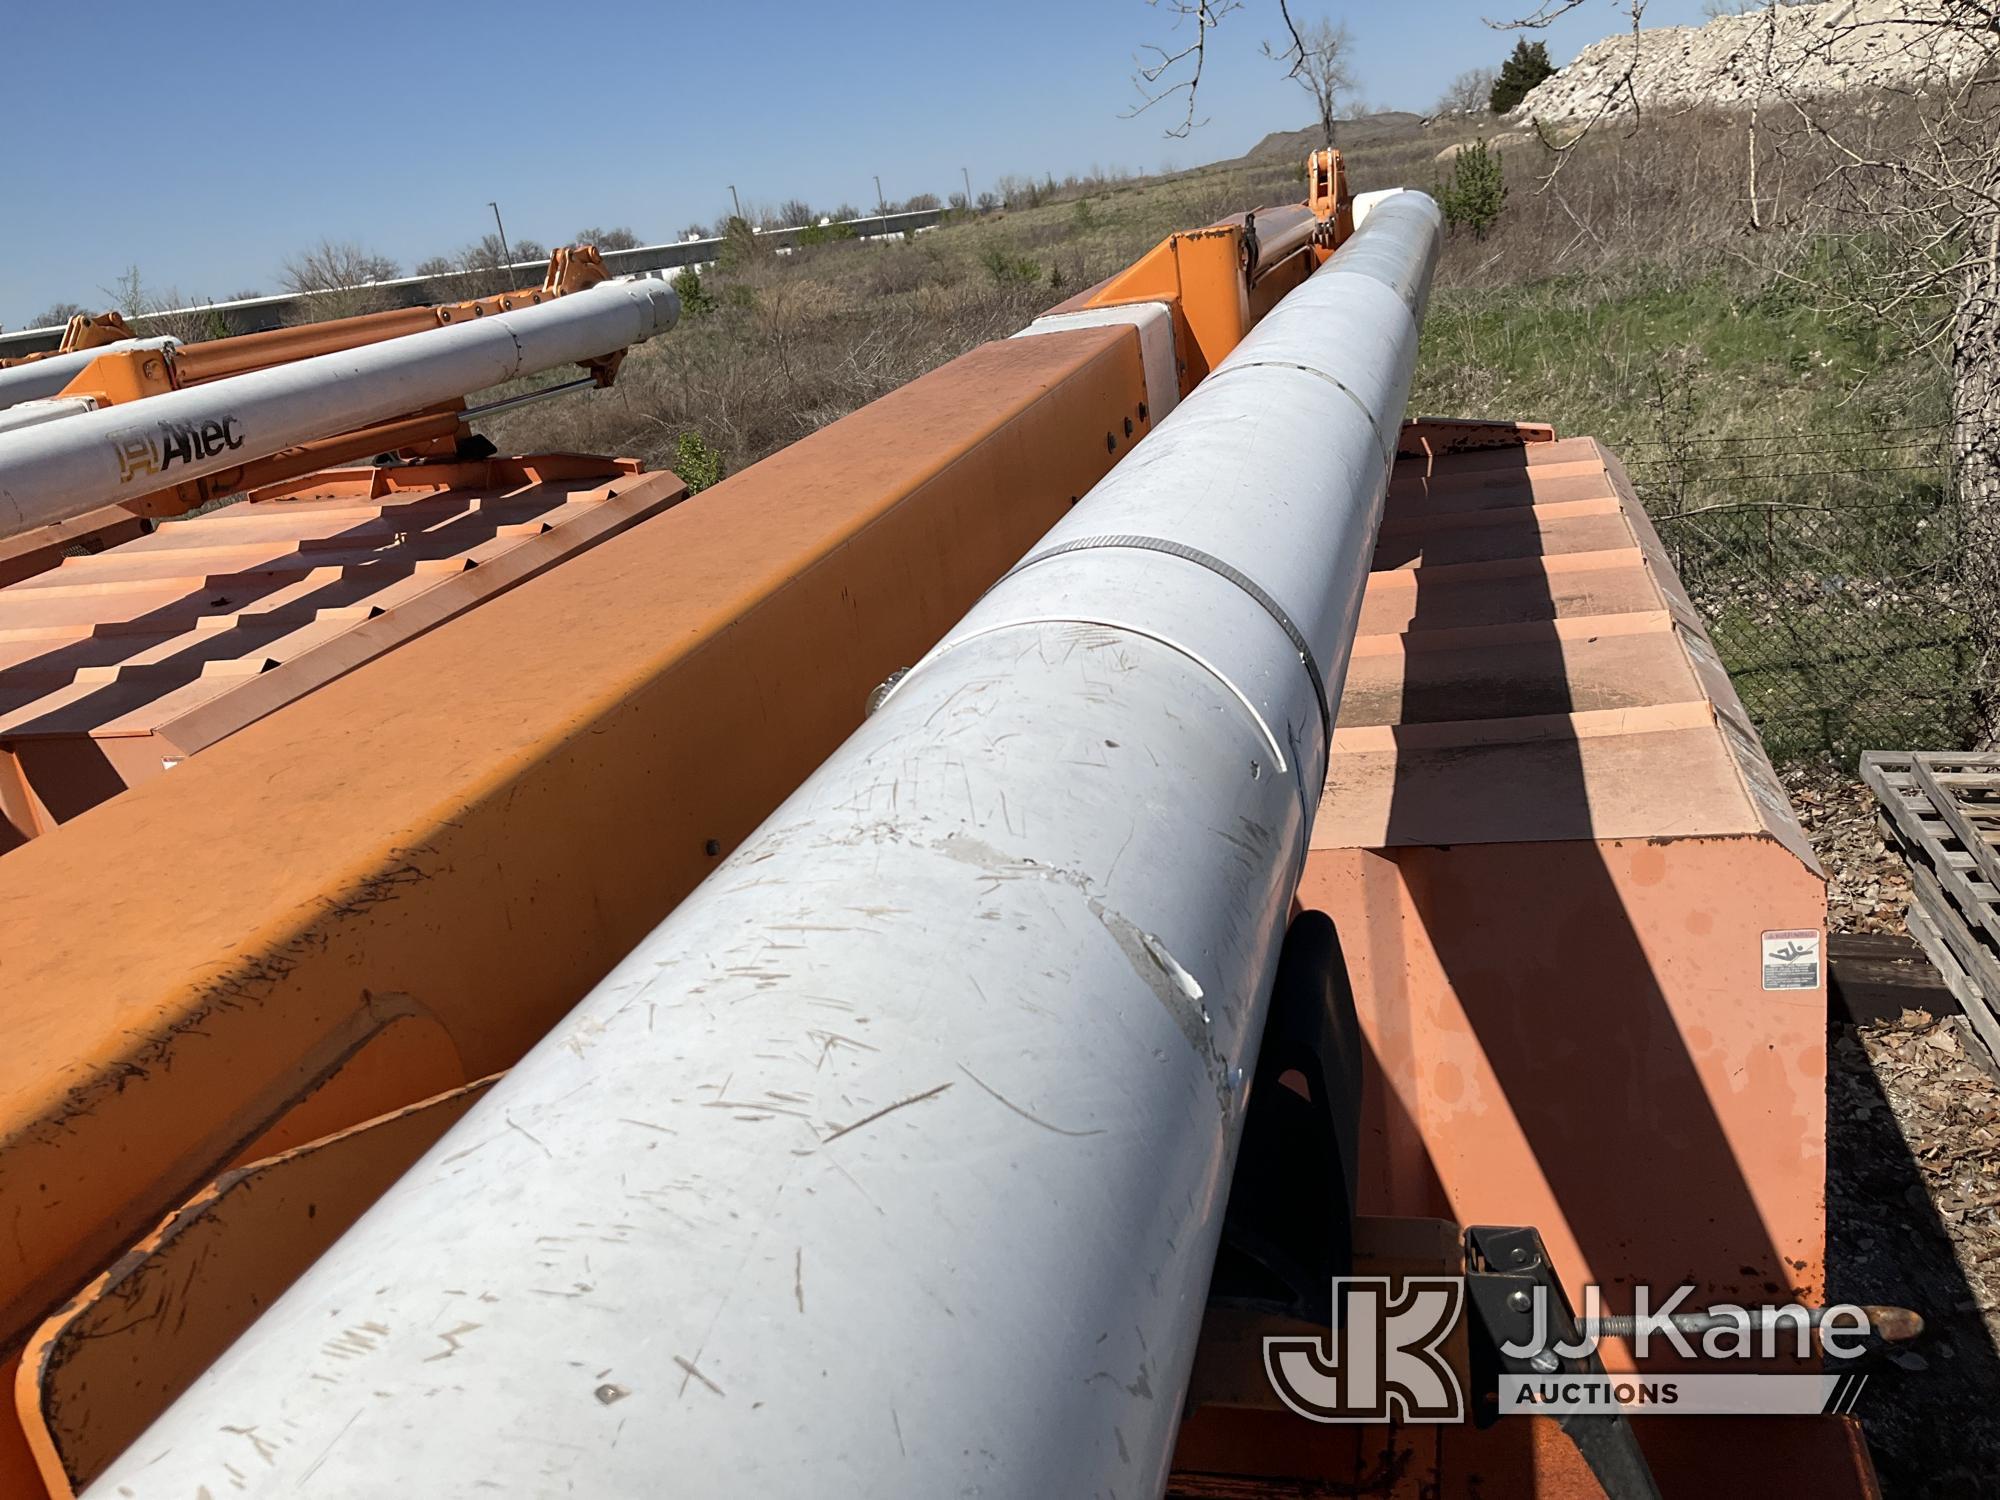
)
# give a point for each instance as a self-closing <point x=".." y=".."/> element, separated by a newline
<point x="1527" y="66"/>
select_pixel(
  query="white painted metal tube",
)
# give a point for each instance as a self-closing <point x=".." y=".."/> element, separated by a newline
<point x="44" y="409"/>
<point x="46" y="377"/>
<point x="62" y="469"/>
<point x="893" y="1163"/>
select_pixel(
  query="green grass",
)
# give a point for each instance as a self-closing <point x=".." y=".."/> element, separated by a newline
<point x="1792" y="461"/>
<point x="1645" y="354"/>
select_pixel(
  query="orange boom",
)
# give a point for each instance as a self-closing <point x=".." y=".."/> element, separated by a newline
<point x="451" y="735"/>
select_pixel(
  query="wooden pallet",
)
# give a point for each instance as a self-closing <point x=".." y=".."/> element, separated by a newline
<point x="1876" y="976"/>
<point x="1942" y="813"/>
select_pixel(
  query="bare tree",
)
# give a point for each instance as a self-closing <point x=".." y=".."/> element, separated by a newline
<point x="490" y="255"/>
<point x="1164" y="73"/>
<point x="57" y="315"/>
<point x="1924" y="187"/>
<point x="1176" y="72"/>
<point x="336" y="279"/>
<point x="1467" y="94"/>
<point x="165" y="312"/>
<point x="335" y="265"/>
<point x="1320" y="57"/>
<point x="620" y="238"/>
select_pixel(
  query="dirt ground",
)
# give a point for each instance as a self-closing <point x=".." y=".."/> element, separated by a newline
<point x="1913" y="1184"/>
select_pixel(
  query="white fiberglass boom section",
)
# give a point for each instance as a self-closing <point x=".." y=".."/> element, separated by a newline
<point x="894" y="1161"/>
<point x="57" y="470"/>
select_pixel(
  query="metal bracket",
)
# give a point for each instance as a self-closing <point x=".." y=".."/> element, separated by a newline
<point x="1504" y="1269"/>
<point x="1289" y="1227"/>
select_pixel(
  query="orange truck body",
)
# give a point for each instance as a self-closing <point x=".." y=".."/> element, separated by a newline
<point x="241" y="996"/>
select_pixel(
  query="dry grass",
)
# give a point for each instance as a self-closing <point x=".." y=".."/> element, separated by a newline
<point x="797" y="341"/>
<point x="1631" y="300"/>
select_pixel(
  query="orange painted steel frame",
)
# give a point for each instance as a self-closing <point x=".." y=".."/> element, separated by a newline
<point x="1552" y="845"/>
<point x="734" y="640"/>
<point x="65" y="762"/>
<point x="81" y="332"/>
<point x="610" y="730"/>
<point x="132" y="375"/>
<point x="1212" y="278"/>
<point x="127" y="375"/>
<point x="541" y="779"/>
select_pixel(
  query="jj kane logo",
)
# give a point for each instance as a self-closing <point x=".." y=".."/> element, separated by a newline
<point x="153" y="452"/>
<point x="1386" y="1357"/>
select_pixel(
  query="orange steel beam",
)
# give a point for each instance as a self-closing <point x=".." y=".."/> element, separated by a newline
<point x="1221" y="280"/>
<point x="570" y="270"/>
<point x="81" y="332"/>
<point x="542" y="779"/>
<point x="137" y="1336"/>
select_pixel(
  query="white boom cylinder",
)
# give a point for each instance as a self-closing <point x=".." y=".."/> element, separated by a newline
<point x="57" y="470"/>
<point x="893" y="1163"/>
<point x="41" y="378"/>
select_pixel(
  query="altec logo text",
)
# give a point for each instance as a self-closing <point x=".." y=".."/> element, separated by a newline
<point x="1387" y="1361"/>
<point x="153" y="453"/>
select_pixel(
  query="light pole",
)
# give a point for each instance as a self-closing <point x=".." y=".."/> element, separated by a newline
<point x="967" y="175"/>
<point x="735" y="200"/>
<point x="506" y="255"/>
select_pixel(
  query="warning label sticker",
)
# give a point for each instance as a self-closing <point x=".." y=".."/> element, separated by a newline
<point x="1792" y="960"/>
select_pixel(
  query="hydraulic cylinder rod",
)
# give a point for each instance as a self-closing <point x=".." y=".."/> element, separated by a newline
<point x="894" y="1161"/>
<point x="57" y="470"/>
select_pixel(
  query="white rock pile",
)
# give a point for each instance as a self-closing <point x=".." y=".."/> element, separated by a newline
<point x="1790" y="51"/>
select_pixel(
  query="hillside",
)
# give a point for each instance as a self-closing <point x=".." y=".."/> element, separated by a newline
<point x="1384" y="128"/>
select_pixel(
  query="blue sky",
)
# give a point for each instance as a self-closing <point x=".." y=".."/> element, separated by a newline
<point x="233" y="134"/>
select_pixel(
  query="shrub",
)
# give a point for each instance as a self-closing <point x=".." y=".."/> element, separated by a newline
<point x="1008" y="269"/>
<point x="742" y="245"/>
<point x="698" y="464"/>
<point x="695" y="299"/>
<point x="1473" y="198"/>
<point x="825" y="234"/>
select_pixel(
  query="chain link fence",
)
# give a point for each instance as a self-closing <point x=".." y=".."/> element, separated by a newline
<point x="1825" y="566"/>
